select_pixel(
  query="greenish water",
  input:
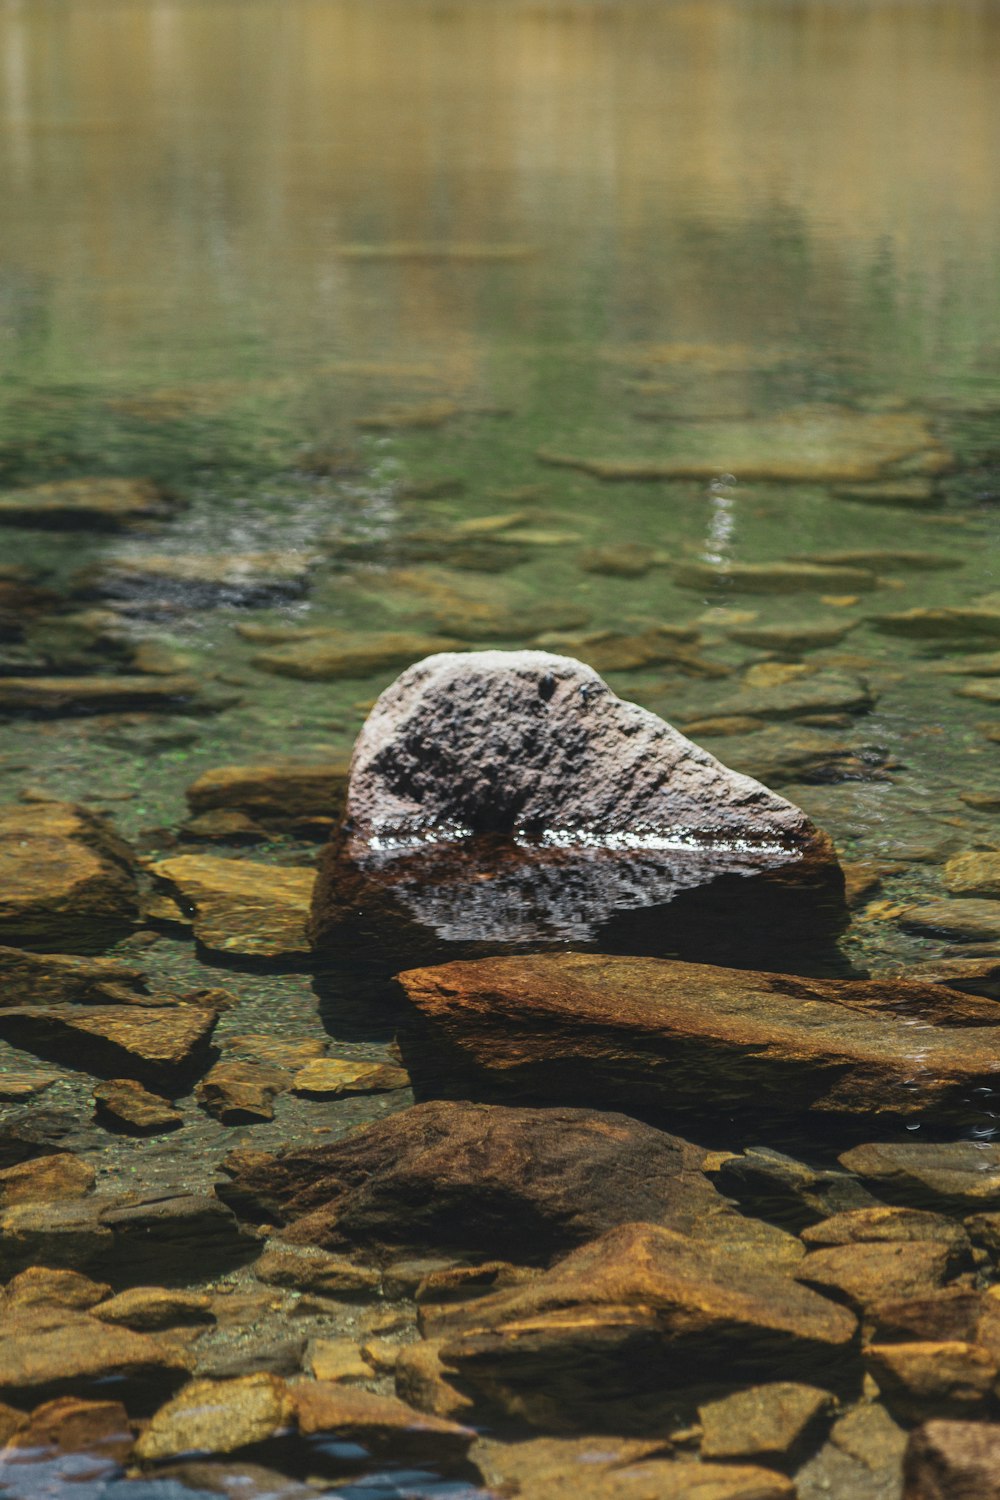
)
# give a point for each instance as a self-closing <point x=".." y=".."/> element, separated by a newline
<point x="233" y="230"/>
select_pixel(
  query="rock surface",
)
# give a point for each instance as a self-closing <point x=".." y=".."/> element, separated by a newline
<point x="58" y="979"/>
<point x="276" y="792"/>
<point x="953" y="1461"/>
<point x="603" y="1337"/>
<point x="48" y="1353"/>
<point x="950" y="1176"/>
<point x="66" y="880"/>
<point x="510" y="797"/>
<point x="223" y="1416"/>
<point x="92" y="504"/>
<point x="664" y="1039"/>
<point x="337" y="654"/>
<point x="241" y="1093"/>
<point x="381" y="1425"/>
<point x="480" y="1179"/>
<point x="156" y="1044"/>
<point x="766" y="1422"/>
<point x="123" y="1104"/>
<point x="243" y="908"/>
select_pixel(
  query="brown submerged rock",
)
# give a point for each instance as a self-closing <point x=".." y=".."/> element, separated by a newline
<point x="866" y="1273"/>
<point x="58" y="697"/>
<point x="949" y="1176"/>
<point x="46" y="1179"/>
<point x="382" y="1425"/>
<point x="40" y="1286"/>
<point x="217" y="1416"/>
<point x="100" y="1429"/>
<point x="146" y="1309"/>
<point x="604" y="1339"/>
<point x="309" y="1270"/>
<point x="91" y="504"/>
<point x="500" y="799"/>
<point x="243" y="908"/>
<point x="766" y="1422"/>
<point x="59" y="979"/>
<point x="921" y="1380"/>
<point x="49" y="1353"/>
<point x="953" y="1461"/>
<point x="66" y="880"/>
<point x="661" y="1038"/>
<point x="123" y="1104"/>
<point x="241" y="1093"/>
<point x="156" y="1044"/>
<point x="278" y="791"/>
<point x="480" y="1179"/>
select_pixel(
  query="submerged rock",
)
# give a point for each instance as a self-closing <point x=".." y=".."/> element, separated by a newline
<point x="664" y="1039"/>
<point x="766" y="1422"/>
<point x="199" y="579"/>
<point x="773" y="578"/>
<point x="241" y="1093"/>
<point x="792" y="639"/>
<point x="951" y="1176"/>
<point x="337" y="654"/>
<point x="158" y="1044"/>
<point x="48" y="1353"/>
<point x="91" y="504"/>
<point x="604" y="1339"/>
<point x="948" y="1379"/>
<point x="279" y="791"/>
<point x="67" y="881"/>
<point x="810" y="444"/>
<point x="952" y="1461"/>
<point x="972" y="918"/>
<point x="505" y="798"/>
<point x="478" y="1179"/>
<point x="243" y="908"/>
<point x="217" y="1416"/>
<point x="55" y="978"/>
<point x="953" y="623"/>
<point x="58" y="697"/>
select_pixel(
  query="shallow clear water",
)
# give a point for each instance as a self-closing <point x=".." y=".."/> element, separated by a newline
<point x="233" y="231"/>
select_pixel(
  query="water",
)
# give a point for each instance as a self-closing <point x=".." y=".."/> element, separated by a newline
<point x="233" y="233"/>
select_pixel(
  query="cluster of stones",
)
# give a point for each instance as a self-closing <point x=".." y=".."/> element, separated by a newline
<point x="534" y="1280"/>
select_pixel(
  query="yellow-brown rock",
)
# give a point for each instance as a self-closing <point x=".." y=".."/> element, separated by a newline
<point x="69" y="1425"/>
<point x="334" y="1077"/>
<point x="45" y="1179"/>
<point x="91" y="503"/>
<point x="159" y="1044"/>
<point x="149" y="1308"/>
<point x="921" y="1380"/>
<point x="867" y="1273"/>
<point x="241" y="907"/>
<point x="66" y="881"/>
<point x="765" y="1422"/>
<point x="339" y="654"/>
<point x="49" y="1353"/>
<point x="125" y="1105"/>
<point x="217" y="1416"/>
<point x="240" y="1093"/>
<point x="382" y="1425"/>
<point x="277" y="791"/>
<point x="42" y="1286"/>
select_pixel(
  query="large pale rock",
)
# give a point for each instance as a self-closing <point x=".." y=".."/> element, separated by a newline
<point x="603" y="1337"/>
<point x="663" y="1039"/>
<point x="66" y="881"/>
<point x="509" y="798"/>
<point x="481" y="1179"/>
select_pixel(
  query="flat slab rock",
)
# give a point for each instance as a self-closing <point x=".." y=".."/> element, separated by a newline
<point x="67" y="881"/>
<point x="91" y="503"/>
<point x="62" y="979"/>
<point x="46" y="1353"/>
<point x="952" y="1461"/>
<point x="664" y="1039"/>
<point x="59" y="697"/>
<point x="279" y="790"/>
<point x="241" y="907"/>
<point x="510" y="798"/>
<point x="629" y="1317"/>
<point x="159" y="1043"/>
<point x="476" y="1178"/>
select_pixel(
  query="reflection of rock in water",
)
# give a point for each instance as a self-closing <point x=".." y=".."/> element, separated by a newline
<point x="510" y="800"/>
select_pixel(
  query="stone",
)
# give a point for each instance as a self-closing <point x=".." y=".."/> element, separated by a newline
<point x="160" y="1045"/>
<point x="880" y="1225"/>
<point x="868" y="1272"/>
<point x="885" y="557"/>
<point x="99" y="1429"/>
<point x="946" y="1176"/>
<point x="335" y="1077"/>
<point x="947" y="1315"/>
<point x="241" y="1093"/>
<point x="422" y="1382"/>
<point x="123" y="1104"/>
<point x="174" y="1237"/>
<point x="15" y="1088"/>
<point x="463" y="1283"/>
<point x="46" y="1179"/>
<point x="520" y="777"/>
<point x="920" y="1380"/>
<point x="49" y="1353"/>
<point x="974" y="664"/>
<point x="338" y="1359"/>
<point x="33" y="1131"/>
<point x="243" y="908"/>
<point x="657" y="645"/>
<point x="981" y="801"/>
<point x="303" y="1269"/>
<point x="382" y="1425"/>
<point x="657" y="1479"/>
<point x="67" y="881"/>
<point x="54" y="978"/>
<point x="818" y="444"/>
<point x="59" y="697"/>
<point x="802" y="698"/>
<point x="277" y="792"/>
<point x="953" y="1461"/>
<point x="220" y="827"/>
<point x="94" y="503"/>
<point x="767" y="1422"/>
<point x="278" y="1052"/>
<point x="604" y="1340"/>
<point x="974" y="976"/>
<point x="617" y="560"/>
<point x="217" y="1416"/>
<point x="53" y="1234"/>
<point x="524" y="1184"/>
<point x="199" y="580"/>
<point x="984" y="1230"/>
<point x="778" y="754"/>
<point x="666" y="1040"/>
<point x="42" y="1286"/>
<point x="772" y="578"/>
<point x="951" y="623"/>
<point x="906" y="494"/>
<point x="792" y="639"/>
<point x="789" y="1191"/>
<point x="986" y="691"/>
<point x="148" y="1309"/>
<point x="342" y="654"/>
<point x="969" y="918"/>
<point x="976" y="873"/>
